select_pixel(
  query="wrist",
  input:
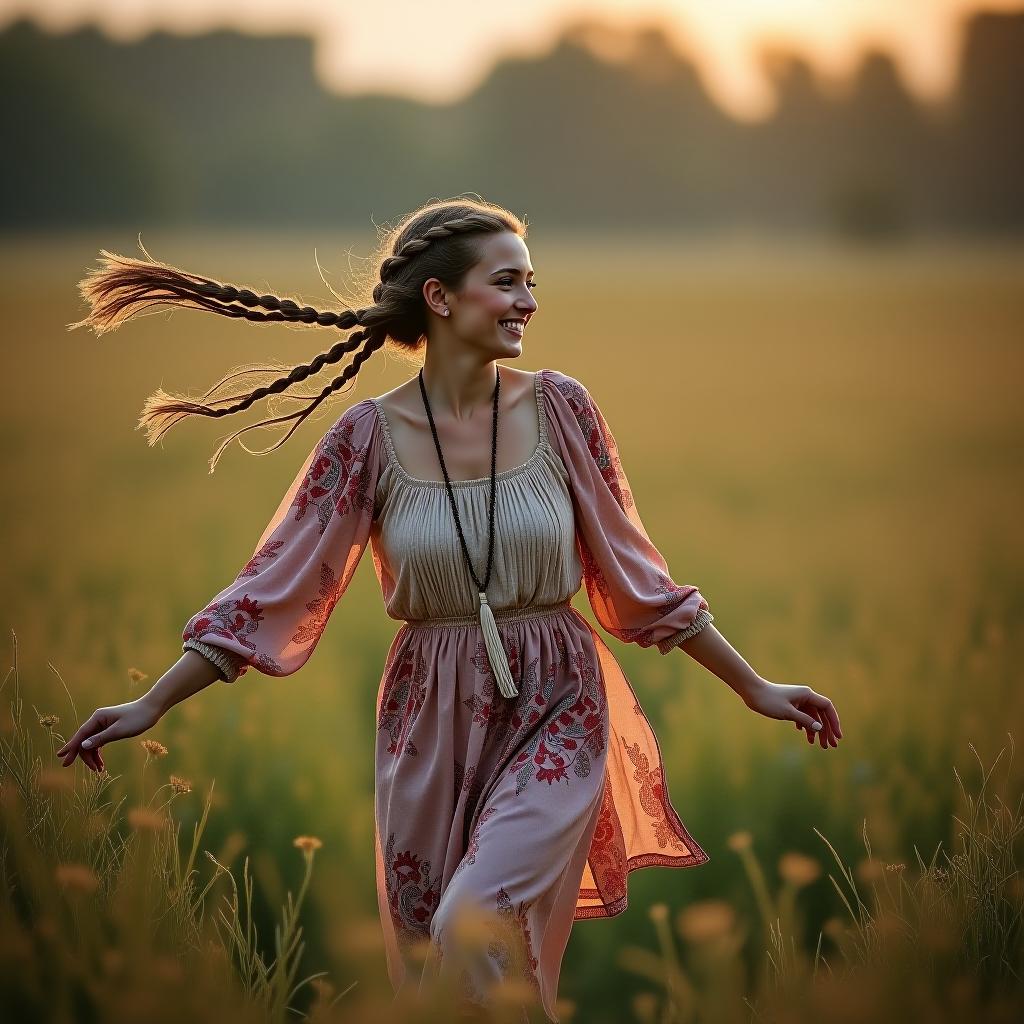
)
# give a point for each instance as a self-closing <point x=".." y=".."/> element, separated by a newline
<point x="750" y="685"/>
<point x="153" y="702"/>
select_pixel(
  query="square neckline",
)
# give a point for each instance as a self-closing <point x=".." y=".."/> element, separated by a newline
<point x="505" y="474"/>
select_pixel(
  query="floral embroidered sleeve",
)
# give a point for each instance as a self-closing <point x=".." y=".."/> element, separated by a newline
<point x="272" y="615"/>
<point x="627" y="579"/>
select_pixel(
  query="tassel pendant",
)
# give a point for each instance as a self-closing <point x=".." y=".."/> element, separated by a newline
<point x="496" y="649"/>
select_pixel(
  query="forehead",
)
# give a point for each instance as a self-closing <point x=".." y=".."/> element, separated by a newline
<point x="504" y="250"/>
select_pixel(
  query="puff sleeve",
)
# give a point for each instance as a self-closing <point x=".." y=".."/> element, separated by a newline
<point x="627" y="579"/>
<point x="272" y="615"/>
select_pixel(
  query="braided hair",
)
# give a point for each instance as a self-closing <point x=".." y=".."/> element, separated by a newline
<point x="439" y="239"/>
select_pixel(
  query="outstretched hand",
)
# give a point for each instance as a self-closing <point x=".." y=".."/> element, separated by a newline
<point x="104" y="725"/>
<point x="801" y="705"/>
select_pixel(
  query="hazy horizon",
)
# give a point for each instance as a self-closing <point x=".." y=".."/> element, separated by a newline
<point x="724" y="40"/>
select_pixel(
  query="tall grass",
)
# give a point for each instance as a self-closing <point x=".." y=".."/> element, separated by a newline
<point x="106" y="915"/>
<point x="941" y="940"/>
<point x="827" y="442"/>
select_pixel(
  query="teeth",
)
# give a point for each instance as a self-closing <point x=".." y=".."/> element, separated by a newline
<point x="514" y="325"/>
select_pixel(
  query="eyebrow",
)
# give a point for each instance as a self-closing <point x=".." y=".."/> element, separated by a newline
<point x="509" y="270"/>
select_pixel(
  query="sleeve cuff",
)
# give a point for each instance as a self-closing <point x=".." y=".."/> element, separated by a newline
<point x="228" y="663"/>
<point x="700" y="620"/>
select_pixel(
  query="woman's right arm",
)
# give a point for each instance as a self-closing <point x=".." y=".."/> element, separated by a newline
<point x="188" y="675"/>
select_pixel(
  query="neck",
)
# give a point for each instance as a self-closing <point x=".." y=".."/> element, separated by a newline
<point x="460" y="388"/>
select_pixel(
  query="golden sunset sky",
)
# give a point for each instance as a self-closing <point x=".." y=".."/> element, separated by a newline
<point x="439" y="51"/>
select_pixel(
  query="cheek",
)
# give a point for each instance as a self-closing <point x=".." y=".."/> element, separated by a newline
<point x="491" y="303"/>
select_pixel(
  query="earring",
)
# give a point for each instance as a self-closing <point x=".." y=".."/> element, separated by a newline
<point x="446" y="312"/>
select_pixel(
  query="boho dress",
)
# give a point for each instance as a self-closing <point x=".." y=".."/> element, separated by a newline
<point x="536" y="806"/>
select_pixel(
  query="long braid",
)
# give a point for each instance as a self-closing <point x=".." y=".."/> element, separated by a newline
<point x="124" y="287"/>
<point x="376" y="341"/>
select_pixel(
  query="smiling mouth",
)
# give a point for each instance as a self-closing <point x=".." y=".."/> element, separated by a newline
<point x="515" y="329"/>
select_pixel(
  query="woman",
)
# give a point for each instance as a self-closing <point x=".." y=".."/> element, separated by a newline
<point x="516" y="774"/>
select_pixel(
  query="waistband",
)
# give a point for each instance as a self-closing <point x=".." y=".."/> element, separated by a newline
<point x="532" y="611"/>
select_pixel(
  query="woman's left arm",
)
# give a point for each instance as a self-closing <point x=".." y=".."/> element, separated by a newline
<point x="799" y="704"/>
<point x="633" y="595"/>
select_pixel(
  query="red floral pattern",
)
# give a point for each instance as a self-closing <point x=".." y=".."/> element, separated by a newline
<point x="403" y="697"/>
<point x="337" y="482"/>
<point x="233" y="619"/>
<point x="268" y="551"/>
<point x="413" y="894"/>
<point x="512" y="947"/>
<point x="602" y="448"/>
<point x="574" y="733"/>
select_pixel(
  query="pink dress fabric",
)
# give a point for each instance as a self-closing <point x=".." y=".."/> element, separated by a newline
<point x="537" y="807"/>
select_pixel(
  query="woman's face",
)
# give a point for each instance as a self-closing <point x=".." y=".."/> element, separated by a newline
<point x="498" y="288"/>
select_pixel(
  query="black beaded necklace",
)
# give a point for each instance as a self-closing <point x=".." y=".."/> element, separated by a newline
<point x="492" y="638"/>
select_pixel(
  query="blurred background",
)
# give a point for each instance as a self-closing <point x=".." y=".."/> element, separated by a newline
<point x="779" y="240"/>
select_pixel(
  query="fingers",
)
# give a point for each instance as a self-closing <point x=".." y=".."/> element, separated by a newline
<point x="829" y="718"/>
<point x="87" y="728"/>
<point x="88" y="732"/>
<point x="833" y="717"/>
<point x="806" y="721"/>
<point x="819" y="720"/>
<point x="825" y="733"/>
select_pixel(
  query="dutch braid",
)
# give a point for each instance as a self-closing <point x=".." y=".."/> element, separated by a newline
<point x="434" y="241"/>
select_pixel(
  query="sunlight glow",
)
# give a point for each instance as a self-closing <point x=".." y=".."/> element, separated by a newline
<point x="439" y="52"/>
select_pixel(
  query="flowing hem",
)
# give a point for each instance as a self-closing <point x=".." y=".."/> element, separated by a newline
<point x="613" y="858"/>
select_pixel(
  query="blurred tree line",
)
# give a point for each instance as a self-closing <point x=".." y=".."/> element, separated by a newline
<point x="227" y="128"/>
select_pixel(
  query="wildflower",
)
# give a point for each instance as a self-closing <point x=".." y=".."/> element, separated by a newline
<point x="55" y="779"/>
<point x="136" y="676"/>
<point x="167" y="969"/>
<point x="48" y="721"/>
<point x="153" y="747"/>
<point x="76" y="878"/>
<point x="180" y="785"/>
<point x="739" y="841"/>
<point x="565" y="1008"/>
<point x="645" y="1005"/>
<point x="307" y="844"/>
<point x="797" y="869"/>
<point x="869" y="870"/>
<point x="142" y="818"/>
<point x="898" y="868"/>
<point x="706" y="921"/>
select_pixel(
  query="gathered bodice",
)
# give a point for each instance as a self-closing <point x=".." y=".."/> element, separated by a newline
<point x="415" y="542"/>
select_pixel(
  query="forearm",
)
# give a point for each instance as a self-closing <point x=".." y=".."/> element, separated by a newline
<point x="188" y="675"/>
<point x="717" y="655"/>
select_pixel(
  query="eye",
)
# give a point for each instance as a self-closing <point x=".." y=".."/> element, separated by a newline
<point x="509" y="281"/>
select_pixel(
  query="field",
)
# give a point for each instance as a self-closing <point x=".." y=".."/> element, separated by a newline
<point x="826" y="441"/>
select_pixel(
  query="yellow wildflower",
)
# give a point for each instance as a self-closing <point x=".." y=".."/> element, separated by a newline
<point x="76" y="878"/>
<point x="144" y="818"/>
<point x="798" y="869"/>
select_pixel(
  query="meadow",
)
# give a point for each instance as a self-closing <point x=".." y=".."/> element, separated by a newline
<point x="826" y="440"/>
